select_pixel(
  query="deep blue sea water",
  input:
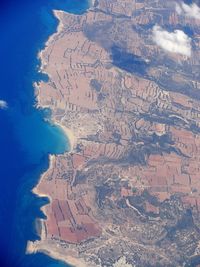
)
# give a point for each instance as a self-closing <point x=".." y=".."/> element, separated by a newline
<point x="26" y="138"/>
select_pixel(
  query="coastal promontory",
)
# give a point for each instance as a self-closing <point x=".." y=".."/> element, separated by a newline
<point x="124" y="84"/>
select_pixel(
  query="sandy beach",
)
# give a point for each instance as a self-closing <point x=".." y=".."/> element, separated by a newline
<point x="69" y="134"/>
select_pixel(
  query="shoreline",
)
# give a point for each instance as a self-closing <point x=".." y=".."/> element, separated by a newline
<point x="68" y="133"/>
<point x="35" y="190"/>
<point x="66" y="259"/>
<point x="34" y="247"/>
<point x="59" y="28"/>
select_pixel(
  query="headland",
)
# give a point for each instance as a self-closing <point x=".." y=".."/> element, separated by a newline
<point x="130" y="180"/>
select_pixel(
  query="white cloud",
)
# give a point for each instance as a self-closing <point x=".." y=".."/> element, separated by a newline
<point x="3" y="104"/>
<point x="192" y="10"/>
<point x="175" y="42"/>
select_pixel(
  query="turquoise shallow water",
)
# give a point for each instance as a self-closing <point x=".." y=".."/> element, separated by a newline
<point x="26" y="138"/>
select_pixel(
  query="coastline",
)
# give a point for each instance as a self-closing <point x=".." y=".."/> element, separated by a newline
<point x="34" y="247"/>
<point x="60" y="26"/>
<point x="73" y="261"/>
<point x="90" y="93"/>
<point x="35" y="190"/>
<point x="69" y="135"/>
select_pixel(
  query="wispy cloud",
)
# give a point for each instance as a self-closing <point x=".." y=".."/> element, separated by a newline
<point x="192" y="10"/>
<point x="175" y="42"/>
<point x="3" y="104"/>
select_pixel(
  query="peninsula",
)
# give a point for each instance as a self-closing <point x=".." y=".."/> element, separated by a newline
<point x="128" y="191"/>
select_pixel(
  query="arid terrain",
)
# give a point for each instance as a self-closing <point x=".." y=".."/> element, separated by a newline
<point x="128" y="192"/>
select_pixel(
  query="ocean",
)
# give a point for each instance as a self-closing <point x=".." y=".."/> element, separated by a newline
<point x="26" y="136"/>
